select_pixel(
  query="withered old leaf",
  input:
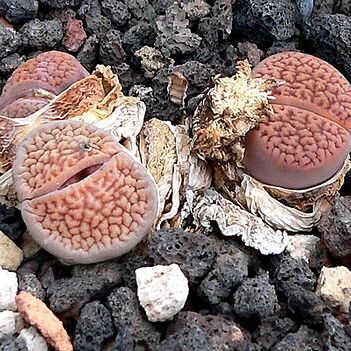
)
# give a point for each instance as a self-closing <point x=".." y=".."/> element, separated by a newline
<point x="177" y="88"/>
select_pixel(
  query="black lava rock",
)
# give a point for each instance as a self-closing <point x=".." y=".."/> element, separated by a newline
<point x="98" y="25"/>
<point x="330" y="36"/>
<point x="10" y="41"/>
<point x="194" y="253"/>
<point x="94" y="326"/>
<point x="255" y="299"/>
<point x="141" y="9"/>
<point x="223" y="13"/>
<point x="134" y="332"/>
<point x="289" y="273"/>
<point x="335" y="227"/>
<point x="116" y="11"/>
<point x="188" y="338"/>
<point x="227" y="273"/>
<point x="60" y="4"/>
<point x="271" y="331"/>
<point x="10" y="63"/>
<point x="304" y="339"/>
<point x="11" y="223"/>
<point x="20" y="10"/>
<point x="263" y="21"/>
<point x="334" y="335"/>
<point x="138" y="36"/>
<point x="111" y="49"/>
<point x="42" y="34"/>
<point x="306" y="306"/>
<point x="222" y="332"/>
<point x="108" y="270"/>
<point x="30" y="283"/>
<point x="70" y="293"/>
<point x="88" y="54"/>
<point x="91" y="7"/>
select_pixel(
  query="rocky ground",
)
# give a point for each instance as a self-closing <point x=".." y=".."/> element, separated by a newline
<point x="238" y="299"/>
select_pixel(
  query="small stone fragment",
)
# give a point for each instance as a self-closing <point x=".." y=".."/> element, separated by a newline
<point x="111" y="49"/>
<point x="87" y="55"/>
<point x="255" y="299"/>
<point x="10" y="343"/>
<point x="41" y="34"/>
<point x="302" y="246"/>
<point x="29" y="282"/>
<point x="10" y="40"/>
<point x="8" y="290"/>
<point x="334" y="335"/>
<point x="21" y="10"/>
<point x="335" y="228"/>
<point x="10" y="323"/>
<point x="151" y="60"/>
<point x="74" y="35"/>
<point x="33" y="340"/>
<point x="11" y="255"/>
<point x="334" y="287"/>
<point x="116" y="11"/>
<point x="11" y="223"/>
<point x="36" y="313"/>
<point x="28" y="245"/>
<point x="98" y="25"/>
<point x="132" y="328"/>
<point x="10" y="63"/>
<point x="94" y="326"/>
<point x="162" y="291"/>
<point x="194" y="253"/>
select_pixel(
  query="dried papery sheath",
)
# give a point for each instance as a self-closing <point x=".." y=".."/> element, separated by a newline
<point x="233" y="220"/>
<point x="286" y="209"/>
<point x="177" y="88"/>
<point x="234" y="106"/>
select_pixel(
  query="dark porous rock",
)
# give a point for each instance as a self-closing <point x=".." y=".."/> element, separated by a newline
<point x="188" y="338"/>
<point x="194" y="253"/>
<point x="11" y="223"/>
<point x="255" y="299"/>
<point x="11" y="343"/>
<point x="271" y="331"/>
<point x="108" y="270"/>
<point x="64" y="15"/>
<point x="249" y="51"/>
<point x="142" y="34"/>
<point x="335" y="228"/>
<point x="130" y="263"/>
<point x="72" y="293"/>
<point x="94" y="326"/>
<point x="133" y="330"/>
<point x="196" y="9"/>
<point x="111" y="50"/>
<point x="88" y="54"/>
<point x="60" y="4"/>
<point x="89" y="7"/>
<point x="173" y="34"/>
<point x="223" y="333"/>
<point x="10" y="63"/>
<point x="264" y="21"/>
<point x="10" y="40"/>
<point x="330" y="36"/>
<point x="335" y="337"/>
<point x="307" y="307"/>
<point x="42" y="34"/>
<point x="223" y="13"/>
<point x="207" y="29"/>
<point x="116" y="11"/>
<point x="20" y="10"/>
<point x="128" y="76"/>
<point x="281" y="46"/>
<point x="30" y="283"/>
<point x="289" y="273"/>
<point x="305" y="339"/>
<point x="98" y="25"/>
<point x="323" y="7"/>
<point x="226" y="274"/>
<point x="141" y="9"/>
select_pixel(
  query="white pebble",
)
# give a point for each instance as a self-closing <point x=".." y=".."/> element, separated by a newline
<point x="334" y="287"/>
<point x="8" y="290"/>
<point x="302" y="246"/>
<point x="33" y="340"/>
<point x="10" y="322"/>
<point x="162" y="291"/>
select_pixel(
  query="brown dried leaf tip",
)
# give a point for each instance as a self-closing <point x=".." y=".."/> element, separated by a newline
<point x="84" y="197"/>
<point x="233" y="107"/>
<point x="36" y="313"/>
<point x="306" y="139"/>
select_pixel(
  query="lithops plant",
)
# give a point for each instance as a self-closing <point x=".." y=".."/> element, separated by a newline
<point x="84" y="197"/>
<point x="51" y="71"/>
<point x="291" y="163"/>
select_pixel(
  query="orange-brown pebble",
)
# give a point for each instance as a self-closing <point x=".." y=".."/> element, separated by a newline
<point x="37" y="314"/>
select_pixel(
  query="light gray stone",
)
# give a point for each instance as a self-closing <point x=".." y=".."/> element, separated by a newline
<point x="8" y="290"/>
<point x="33" y="340"/>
